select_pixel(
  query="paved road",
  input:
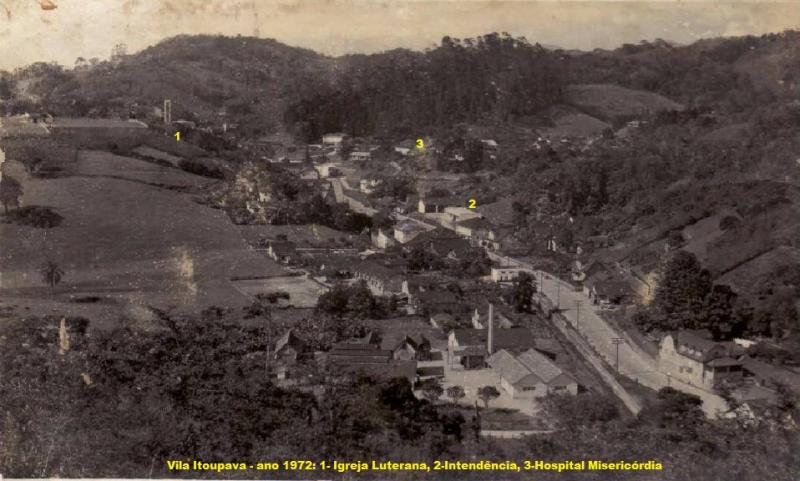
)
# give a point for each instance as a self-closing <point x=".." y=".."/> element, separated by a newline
<point x="633" y="363"/>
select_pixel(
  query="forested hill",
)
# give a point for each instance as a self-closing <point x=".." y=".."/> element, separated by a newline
<point x="494" y="78"/>
<point x="251" y="80"/>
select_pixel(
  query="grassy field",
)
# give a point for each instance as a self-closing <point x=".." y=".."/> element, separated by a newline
<point x="126" y="242"/>
<point x="609" y="102"/>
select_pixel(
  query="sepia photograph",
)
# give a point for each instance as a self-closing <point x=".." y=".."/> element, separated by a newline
<point x="409" y="240"/>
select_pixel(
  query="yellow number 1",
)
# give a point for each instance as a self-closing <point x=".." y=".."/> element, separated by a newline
<point x="472" y="203"/>
<point x="178" y="136"/>
<point x="420" y="144"/>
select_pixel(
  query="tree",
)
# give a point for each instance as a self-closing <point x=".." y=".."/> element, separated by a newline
<point x="488" y="393"/>
<point x="51" y="273"/>
<point x="674" y="410"/>
<point x="10" y="192"/>
<point x="684" y="284"/>
<point x="524" y="289"/>
<point x="456" y="393"/>
<point x="432" y="390"/>
<point x="719" y="316"/>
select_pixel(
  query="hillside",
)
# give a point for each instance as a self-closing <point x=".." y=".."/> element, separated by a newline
<point x="612" y="102"/>
<point x="248" y="80"/>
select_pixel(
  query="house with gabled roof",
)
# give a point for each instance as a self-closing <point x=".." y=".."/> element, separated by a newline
<point x="289" y="348"/>
<point x="412" y="348"/>
<point x="693" y="357"/>
<point x="530" y="375"/>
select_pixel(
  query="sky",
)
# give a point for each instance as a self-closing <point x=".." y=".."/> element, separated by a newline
<point x="91" y="28"/>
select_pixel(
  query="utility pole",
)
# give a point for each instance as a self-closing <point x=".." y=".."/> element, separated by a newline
<point x="268" y="322"/>
<point x="578" y="314"/>
<point x="617" y="341"/>
<point x="558" y="290"/>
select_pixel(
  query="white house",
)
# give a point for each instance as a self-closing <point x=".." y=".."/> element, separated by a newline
<point x="507" y="274"/>
<point x="359" y="156"/>
<point x="693" y="358"/>
<point x="333" y="138"/>
<point x="328" y="169"/>
<point x="530" y="375"/>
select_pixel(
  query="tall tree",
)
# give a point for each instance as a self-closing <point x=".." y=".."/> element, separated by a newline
<point x="51" y="273"/>
<point x="684" y="284"/>
<point x="10" y="192"/>
<point x="488" y="393"/>
<point x="524" y="289"/>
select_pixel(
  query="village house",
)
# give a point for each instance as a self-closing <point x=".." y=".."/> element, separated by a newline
<point x="609" y="293"/>
<point x="434" y="205"/>
<point x="480" y="317"/>
<point x="404" y="232"/>
<point x="412" y="348"/>
<point x="507" y="274"/>
<point x="282" y="251"/>
<point x="443" y="243"/>
<point x="530" y="375"/>
<point x="289" y="349"/>
<point x="366" y="358"/>
<point x="381" y="239"/>
<point x="381" y="280"/>
<point x="442" y="321"/>
<point x="406" y="147"/>
<point x="692" y="357"/>
<point x="481" y="231"/>
<point x="470" y="348"/>
<point x="333" y="139"/>
<point x="328" y="169"/>
<point x="359" y="156"/>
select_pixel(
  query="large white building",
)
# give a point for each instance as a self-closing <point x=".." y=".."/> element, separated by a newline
<point x="530" y="375"/>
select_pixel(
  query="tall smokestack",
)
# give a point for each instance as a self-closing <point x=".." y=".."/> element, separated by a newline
<point x="490" y="337"/>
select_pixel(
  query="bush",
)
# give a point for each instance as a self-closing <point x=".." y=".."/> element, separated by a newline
<point x="729" y="222"/>
<point x="36" y="216"/>
<point x="199" y="168"/>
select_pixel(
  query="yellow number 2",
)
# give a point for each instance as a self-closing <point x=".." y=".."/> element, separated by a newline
<point x="420" y="144"/>
<point x="472" y="203"/>
<point x="178" y="136"/>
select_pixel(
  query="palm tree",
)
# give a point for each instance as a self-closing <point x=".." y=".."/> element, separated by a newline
<point x="51" y="273"/>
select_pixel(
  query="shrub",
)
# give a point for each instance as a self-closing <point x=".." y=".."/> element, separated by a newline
<point x="36" y="216"/>
<point x="199" y="168"/>
<point x="729" y="222"/>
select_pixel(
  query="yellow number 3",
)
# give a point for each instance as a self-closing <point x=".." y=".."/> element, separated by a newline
<point x="420" y="144"/>
<point x="178" y="136"/>
<point x="472" y="203"/>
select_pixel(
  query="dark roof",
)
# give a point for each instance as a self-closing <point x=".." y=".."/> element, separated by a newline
<point x="612" y="288"/>
<point x="477" y="223"/>
<point x="414" y="341"/>
<point x="375" y="270"/>
<point x="358" y="356"/>
<point x="459" y="246"/>
<point x="452" y="201"/>
<point x="283" y="247"/>
<point x="515" y="338"/>
<point x="289" y="339"/>
<point x="390" y="370"/>
<point x="770" y="373"/>
<point x="430" y="371"/>
<point x="86" y="122"/>
<point x="696" y="345"/>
